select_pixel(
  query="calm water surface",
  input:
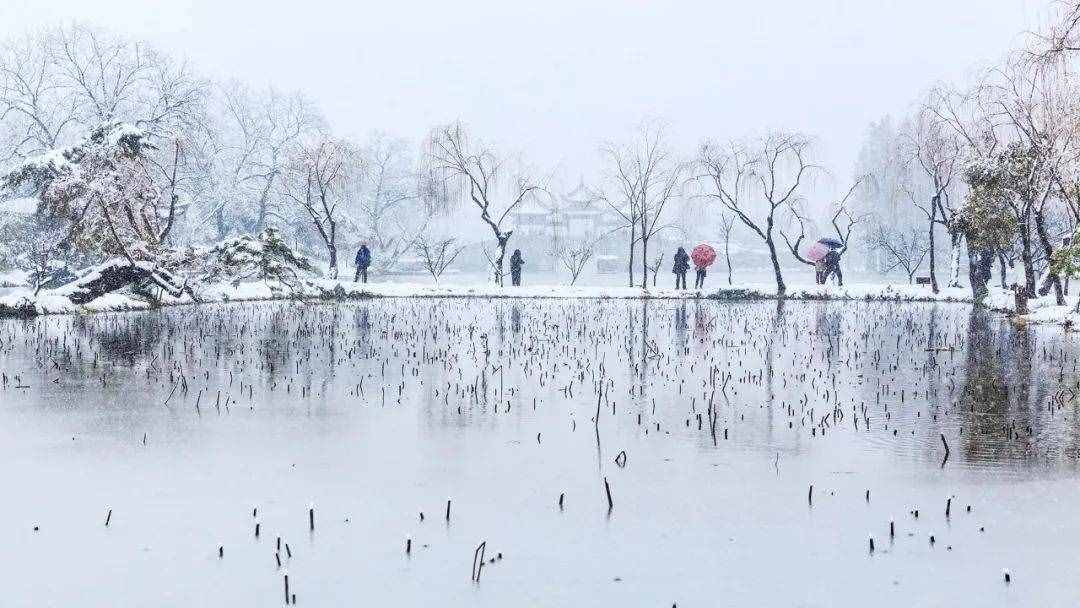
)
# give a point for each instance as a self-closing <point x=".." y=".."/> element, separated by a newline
<point x="710" y="421"/>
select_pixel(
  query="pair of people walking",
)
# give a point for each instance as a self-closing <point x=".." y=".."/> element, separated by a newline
<point x="682" y="266"/>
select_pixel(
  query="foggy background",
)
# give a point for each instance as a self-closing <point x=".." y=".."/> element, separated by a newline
<point x="552" y="80"/>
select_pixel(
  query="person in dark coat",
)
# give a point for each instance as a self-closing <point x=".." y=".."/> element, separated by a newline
<point x="832" y="266"/>
<point x="682" y="266"/>
<point x="363" y="261"/>
<point x="516" y="262"/>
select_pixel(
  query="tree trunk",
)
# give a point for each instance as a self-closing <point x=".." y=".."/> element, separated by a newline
<point x="955" y="237"/>
<point x="727" y="258"/>
<point x="979" y="264"/>
<point x="933" y="258"/>
<point x="333" y="260"/>
<point x="330" y="236"/>
<point x="630" y="266"/>
<point x="1004" y="269"/>
<point x="781" y="289"/>
<point x="1026" y="255"/>
<point x="644" y="261"/>
<point x="219" y="223"/>
<point x="503" y="241"/>
<point x="114" y="275"/>
<point x="1052" y="279"/>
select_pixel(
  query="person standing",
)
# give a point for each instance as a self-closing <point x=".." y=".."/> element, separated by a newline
<point x="682" y="266"/>
<point x="516" y="262"/>
<point x="832" y="266"/>
<point x="363" y="261"/>
<point x="819" y="272"/>
<point x="699" y="278"/>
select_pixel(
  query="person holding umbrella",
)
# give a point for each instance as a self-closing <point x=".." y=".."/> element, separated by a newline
<point x="703" y="256"/>
<point x="825" y="254"/>
<point x="832" y="266"/>
<point x="682" y="265"/>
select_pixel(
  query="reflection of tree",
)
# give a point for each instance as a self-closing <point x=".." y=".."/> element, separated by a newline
<point x="991" y="398"/>
<point x="776" y="330"/>
<point x="127" y="338"/>
<point x="644" y="344"/>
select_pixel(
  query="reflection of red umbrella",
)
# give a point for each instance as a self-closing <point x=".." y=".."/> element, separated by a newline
<point x="703" y="256"/>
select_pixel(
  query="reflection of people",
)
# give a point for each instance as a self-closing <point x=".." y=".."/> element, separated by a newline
<point x="516" y="262"/>
<point x="682" y="265"/>
<point x="681" y="324"/>
<point x="515" y="319"/>
<point x="363" y="260"/>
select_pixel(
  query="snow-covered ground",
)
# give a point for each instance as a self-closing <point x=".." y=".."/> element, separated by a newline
<point x="53" y="302"/>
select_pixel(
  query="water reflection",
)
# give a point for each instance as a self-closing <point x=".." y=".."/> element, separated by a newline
<point x="865" y="375"/>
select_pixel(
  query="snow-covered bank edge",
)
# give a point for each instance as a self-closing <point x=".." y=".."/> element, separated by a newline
<point x="24" y="304"/>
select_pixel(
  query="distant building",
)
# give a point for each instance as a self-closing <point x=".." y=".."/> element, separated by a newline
<point x="543" y="231"/>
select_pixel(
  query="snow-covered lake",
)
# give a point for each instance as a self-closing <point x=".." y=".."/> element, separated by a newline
<point x="192" y="425"/>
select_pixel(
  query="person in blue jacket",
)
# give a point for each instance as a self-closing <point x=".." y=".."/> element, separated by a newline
<point x="363" y="260"/>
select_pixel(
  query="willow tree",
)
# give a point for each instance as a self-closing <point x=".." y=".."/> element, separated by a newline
<point x="647" y="177"/>
<point x="476" y="169"/>
<point x="757" y="181"/>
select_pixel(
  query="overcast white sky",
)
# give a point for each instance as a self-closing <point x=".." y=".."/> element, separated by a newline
<point x="553" y="78"/>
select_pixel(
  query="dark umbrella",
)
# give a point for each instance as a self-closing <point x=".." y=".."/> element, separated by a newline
<point x="821" y="248"/>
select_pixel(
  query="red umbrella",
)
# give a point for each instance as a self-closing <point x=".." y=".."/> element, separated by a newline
<point x="703" y="256"/>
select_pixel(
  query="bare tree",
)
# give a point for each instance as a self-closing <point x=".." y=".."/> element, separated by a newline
<point x="935" y="147"/>
<point x="316" y="183"/>
<point x="34" y="110"/>
<point x="575" y="257"/>
<point x="257" y="135"/>
<point x="38" y="242"/>
<point x="437" y="255"/>
<point x="478" y="170"/>
<point x="388" y="207"/>
<point x="622" y="199"/>
<point x="654" y="268"/>
<point x="727" y="223"/>
<point x="647" y="177"/>
<point x="774" y="167"/>
<point x="843" y="216"/>
<point x="1062" y="38"/>
<point x="902" y="249"/>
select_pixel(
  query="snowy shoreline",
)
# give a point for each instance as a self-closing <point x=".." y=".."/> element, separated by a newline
<point x="22" y="303"/>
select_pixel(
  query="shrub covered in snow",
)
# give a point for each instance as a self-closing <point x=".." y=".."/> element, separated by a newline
<point x="266" y="257"/>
